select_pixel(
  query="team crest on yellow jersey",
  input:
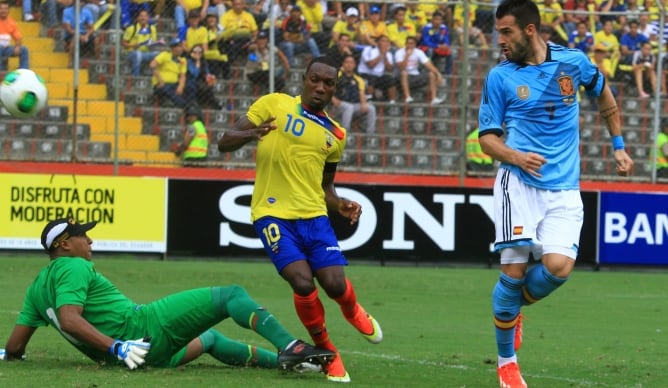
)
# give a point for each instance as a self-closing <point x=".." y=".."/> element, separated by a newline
<point x="329" y="141"/>
<point x="523" y="92"/>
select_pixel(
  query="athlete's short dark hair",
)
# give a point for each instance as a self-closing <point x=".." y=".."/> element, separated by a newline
<point x="325" y="60"/>
<point x="525" y="12"/>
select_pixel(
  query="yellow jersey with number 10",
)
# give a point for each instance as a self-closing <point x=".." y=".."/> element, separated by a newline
<point x="290" y="160"/>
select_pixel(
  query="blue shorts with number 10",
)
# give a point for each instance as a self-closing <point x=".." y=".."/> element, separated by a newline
<point x="287" y="241"/>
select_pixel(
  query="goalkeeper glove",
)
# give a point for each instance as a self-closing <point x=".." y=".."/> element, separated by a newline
<point x="131" y="352"/>
<point x="3" y="356"/>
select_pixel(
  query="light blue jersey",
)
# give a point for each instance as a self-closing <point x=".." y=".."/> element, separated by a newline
<point x="539" y="107"/>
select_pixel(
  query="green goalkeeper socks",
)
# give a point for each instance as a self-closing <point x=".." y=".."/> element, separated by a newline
<point x="247" y="313"/>
<point x="236" y="353"/>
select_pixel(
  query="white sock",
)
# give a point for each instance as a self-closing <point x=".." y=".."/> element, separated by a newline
<point x="290" y="344"/>
<point x="506" y="360"/>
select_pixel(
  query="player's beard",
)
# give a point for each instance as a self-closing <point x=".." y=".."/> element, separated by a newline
<point x="520" y="52"/>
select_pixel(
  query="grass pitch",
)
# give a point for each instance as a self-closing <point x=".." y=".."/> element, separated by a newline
<point x="602" y="329"/>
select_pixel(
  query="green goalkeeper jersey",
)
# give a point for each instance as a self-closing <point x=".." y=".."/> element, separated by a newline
<point x="74" y="281"/>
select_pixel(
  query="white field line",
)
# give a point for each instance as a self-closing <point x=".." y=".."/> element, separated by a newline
<point x="466" y="367"/>
<point x="392" y="357"/>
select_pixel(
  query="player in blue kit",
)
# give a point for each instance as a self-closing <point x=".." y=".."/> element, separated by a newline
<point x="531" y="98"/>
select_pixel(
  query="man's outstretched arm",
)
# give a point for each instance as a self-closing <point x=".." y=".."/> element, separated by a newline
<point x="17" y="342"/>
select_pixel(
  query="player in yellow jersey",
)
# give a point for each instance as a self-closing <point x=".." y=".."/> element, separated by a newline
<point x="298" y="148"/>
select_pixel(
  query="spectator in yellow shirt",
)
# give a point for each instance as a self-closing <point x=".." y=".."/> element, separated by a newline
<point x="551" y="14"/>
<point x="476" y="36"/>
<point x="138" y="41"/>
<point x="373" y="28"/>
<point x="216" y="53"/>
<point x="400" y="29"/>
<point x="169" y="74"/>
<point x="350" y="27"/>
<point x="239" y="29"/>
<point x="428" y="7"/>
<point x="183" y="8"/>
<point x="194" y="33"/>
<point x="314" y="14"/>
<point x="606" y="37"/>
<point x="416" y="16"/>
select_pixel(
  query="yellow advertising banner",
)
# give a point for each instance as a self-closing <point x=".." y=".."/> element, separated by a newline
<point x="130" y="212"/>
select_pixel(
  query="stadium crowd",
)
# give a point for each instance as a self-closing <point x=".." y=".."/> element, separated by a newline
<point x="228" y="29"/>
<point x="621" y="37"/>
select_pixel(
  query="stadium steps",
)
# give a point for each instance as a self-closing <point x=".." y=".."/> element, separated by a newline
<point x="95" y="112"/>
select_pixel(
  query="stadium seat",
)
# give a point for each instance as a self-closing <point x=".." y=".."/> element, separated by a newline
<point x="372" y="142"/>
<point x="243" y="154"/>
<point x="440" y="126"/>
<point x="243" y="88"/>
<point x="19" y="149"/>
<point x="82" y="131"/>
<point x="219" y="119"/>
<point x="587" y="133"/>
<point x="55" y="131"/>
<point x="372" y="159"/>
<point x="393" y="111"/>
<point x="107" y="51"/>
<point x="592" y="167"/>
<point x="418" y="111"/>
<point x="55" y="113"/>
<point x="448" y="162"/>
<point x="417" y="126"/>
<point x="47" y="149"/>
<point x="630" y="104"/>
<point x="395" y="142"/>
<point x="142" y="84"/>
<point x="421" y="143"/>
<point x="631" y="135"/>
<point x="448" y="144"/>
<point x="170" y="116"/>
<point x="138" y="98"/>
<point x="295" y="76"/>
<point x="422" y="161"/>
<point x="397" y="160"/>
<point x="640" y="151"/>
<point x="169" y="135"/>
<point x="392" y="125"/>
<point x="5" y="129"/>
<point x="592" y="149"/>
<point x="97" y="149"/>
<point x="348" y="159"/>
<point x="243" y="103"/>
<point x="293" y="89"/>
<point x="100" y="70"/>
<point x="25" y="130"/>
<point x="632" y="120"/>
<point x="213" y="153"/>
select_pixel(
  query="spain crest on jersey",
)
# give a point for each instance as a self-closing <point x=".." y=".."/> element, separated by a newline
<point x="566" y="87"/>
<point x="522" y="92"/>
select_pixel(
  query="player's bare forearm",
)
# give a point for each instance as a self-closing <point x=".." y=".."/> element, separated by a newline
<point x="74" y="324"/>
<point x="244" y="131"/>
<point x="609" y="112"/>
<point x="17" y="342"/>
<point x="347" y="208"/>
<point x="332" y="199"/>
<point x="495" y="147"/>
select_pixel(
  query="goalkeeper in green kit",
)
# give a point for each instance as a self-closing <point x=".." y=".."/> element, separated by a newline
<point x="101" y="322"/>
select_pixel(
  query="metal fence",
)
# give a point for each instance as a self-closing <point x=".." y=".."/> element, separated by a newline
<point x="104" y="110"/>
